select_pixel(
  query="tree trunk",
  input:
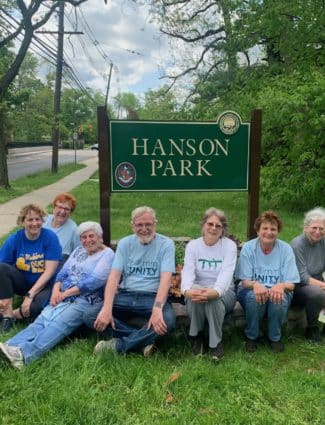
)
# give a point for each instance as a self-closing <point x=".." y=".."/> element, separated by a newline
<point x="4" y="180"/>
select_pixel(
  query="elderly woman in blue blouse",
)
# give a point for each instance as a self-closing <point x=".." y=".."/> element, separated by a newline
<point x="207" y="281"/>
<point x="268" y="275"/>
<point x="78" y="286"/>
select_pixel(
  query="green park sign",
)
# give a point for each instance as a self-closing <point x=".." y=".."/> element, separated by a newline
<point x="179" y="156"/>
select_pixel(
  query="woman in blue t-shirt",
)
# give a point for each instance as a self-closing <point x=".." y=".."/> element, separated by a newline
<point x="268" y="274"/>
<point x="28" y="262"/>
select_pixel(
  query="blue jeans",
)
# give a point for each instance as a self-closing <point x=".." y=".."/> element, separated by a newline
<point x="49" y="328"/>
<point x="129" y="305"/>
<point x="276" y="314"/>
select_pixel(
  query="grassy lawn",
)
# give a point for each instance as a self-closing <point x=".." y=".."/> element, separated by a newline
<point x="26" y="184"/>
<point x="69" y="386"/>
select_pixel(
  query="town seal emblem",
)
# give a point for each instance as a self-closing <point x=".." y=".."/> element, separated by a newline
<point x="125" y="174"/>
<point x="229" y="122"/>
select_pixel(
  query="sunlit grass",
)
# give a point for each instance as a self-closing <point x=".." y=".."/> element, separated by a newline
<point x="26" y="184"/>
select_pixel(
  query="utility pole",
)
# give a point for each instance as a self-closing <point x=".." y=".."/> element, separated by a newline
<point x="57" y="92"/>
<point x="58" y="84"/>
<point x="108" y="83"/>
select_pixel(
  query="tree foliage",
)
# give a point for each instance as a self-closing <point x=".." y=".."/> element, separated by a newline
<point x="242" y="55"/>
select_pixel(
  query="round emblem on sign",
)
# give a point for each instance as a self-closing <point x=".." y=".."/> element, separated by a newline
<point x="229" y="122"/>
<point x="125" y="174"/>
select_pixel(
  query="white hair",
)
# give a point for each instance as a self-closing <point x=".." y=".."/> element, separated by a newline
<point x="137" y="212"/>
<point x="313" y="215"/>
<point x="90" y="225"/>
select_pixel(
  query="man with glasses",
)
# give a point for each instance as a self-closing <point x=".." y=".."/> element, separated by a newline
<point x="137" y="288"/>
<point x="62" y="225"/>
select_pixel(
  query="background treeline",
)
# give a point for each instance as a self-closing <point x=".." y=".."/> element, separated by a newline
<point x="230" y="54"/>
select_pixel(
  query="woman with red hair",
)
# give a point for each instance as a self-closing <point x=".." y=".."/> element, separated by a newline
<point x="61" y="224"/>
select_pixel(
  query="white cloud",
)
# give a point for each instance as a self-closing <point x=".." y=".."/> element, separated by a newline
<point x="121" y="32"/>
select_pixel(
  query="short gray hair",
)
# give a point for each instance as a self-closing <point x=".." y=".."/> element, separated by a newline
<point x="90" y="225"/>
<point x="317" y="213"/>
<point x="137" y="212"/>
<point x="221" y="216"/>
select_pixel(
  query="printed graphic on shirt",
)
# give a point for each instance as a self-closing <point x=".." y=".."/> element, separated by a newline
<point x="147" y="269"/>
<point x="267" y="277"/>
<point x="208" y="263"/>
<point x="33" y="263"/>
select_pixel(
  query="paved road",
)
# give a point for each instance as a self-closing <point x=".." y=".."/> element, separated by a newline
<point x="28" y="163"/>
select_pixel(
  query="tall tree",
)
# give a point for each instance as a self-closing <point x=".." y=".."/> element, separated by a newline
<point x="30" y="16"/>
<point x="159" y="105"/>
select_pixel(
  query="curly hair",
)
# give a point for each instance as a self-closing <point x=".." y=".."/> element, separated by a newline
<point x="27" y="209"/>
<point x="270" y="216"/>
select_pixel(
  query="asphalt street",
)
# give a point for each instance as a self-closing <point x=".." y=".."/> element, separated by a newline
<point x="26" y="163"/>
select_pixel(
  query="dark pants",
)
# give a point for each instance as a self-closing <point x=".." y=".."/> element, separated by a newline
<point x="312" y="298"/>
<point x="12" y="282"/>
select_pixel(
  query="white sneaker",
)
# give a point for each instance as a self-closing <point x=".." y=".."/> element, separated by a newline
<point x="149" y="350"/>
<point x="104" y="345"/>
<point x="13" y="355"/>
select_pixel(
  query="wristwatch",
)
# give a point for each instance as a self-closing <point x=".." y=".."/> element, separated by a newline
<point x="158" y="304"/>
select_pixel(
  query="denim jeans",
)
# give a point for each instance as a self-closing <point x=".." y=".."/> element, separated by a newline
<point x="49" y="328"/>
<point x="276" y="314"/>
<point x="129" y="305"/>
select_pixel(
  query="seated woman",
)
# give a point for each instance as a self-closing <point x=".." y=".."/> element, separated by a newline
<point x="28" y="262"/>
<point x="268" y="273"/>
<point x="207" y="281"/>
<point x="61" y="224"/>
<point x="79" y="286"/>
<point x="309" y="249"/>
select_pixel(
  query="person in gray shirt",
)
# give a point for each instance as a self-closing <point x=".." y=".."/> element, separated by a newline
<point x="309" y="249"/>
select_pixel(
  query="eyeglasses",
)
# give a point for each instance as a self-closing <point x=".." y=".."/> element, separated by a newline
<point x="61" y="207"/>
<point x="216" y="226"/>
<point x="146" y="225"/>
<point x="315" y="228"/>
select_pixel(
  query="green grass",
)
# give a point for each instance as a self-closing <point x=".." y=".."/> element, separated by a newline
<point x="26" y="184"/>
<point x="69" y="386"/>
<point x="178" y="214"/>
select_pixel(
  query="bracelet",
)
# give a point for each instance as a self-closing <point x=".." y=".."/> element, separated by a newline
<point x="158" y="304"/>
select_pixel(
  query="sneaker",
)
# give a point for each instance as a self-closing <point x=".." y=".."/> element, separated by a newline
<point x="149" y="350"/>
<point x="198" y="345"/>
<point x="277" y="346"/>
<point x="218" y="352"/>
<point x="250" y="345"/>
<point x="6" y="323"/>
<point x="13" y="355"/>
<point x="313" y="334"/>
<point x="104" y="345"/>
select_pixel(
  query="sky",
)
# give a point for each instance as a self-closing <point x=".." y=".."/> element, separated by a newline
<point x="120" y="33"/>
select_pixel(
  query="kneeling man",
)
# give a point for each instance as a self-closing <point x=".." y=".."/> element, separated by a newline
<point x="137" y="287"/>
